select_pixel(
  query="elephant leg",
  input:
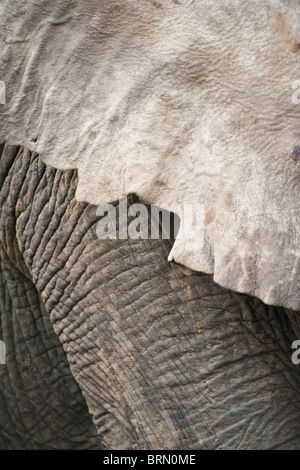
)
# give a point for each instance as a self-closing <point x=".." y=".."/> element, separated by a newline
<point x="41" y="405"/>
<point x="165" y="361"/>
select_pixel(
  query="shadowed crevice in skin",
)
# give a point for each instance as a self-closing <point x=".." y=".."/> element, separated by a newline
<point x="41" y="405"/>
<point x="165" y="361"/>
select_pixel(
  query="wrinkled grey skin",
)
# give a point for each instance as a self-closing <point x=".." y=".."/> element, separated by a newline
<point x="163" y="360"/>
<point x="178" y="102"/>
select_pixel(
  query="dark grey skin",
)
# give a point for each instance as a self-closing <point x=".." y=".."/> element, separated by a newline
<point x="164" y="360"/>
<point x="41" y="405"/>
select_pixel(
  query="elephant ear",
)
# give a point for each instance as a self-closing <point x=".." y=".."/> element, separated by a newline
<point x="179" y="102"/>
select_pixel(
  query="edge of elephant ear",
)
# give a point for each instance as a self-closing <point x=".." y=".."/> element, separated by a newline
<point x="244" y="252"/>
<point x="130" y="140"/>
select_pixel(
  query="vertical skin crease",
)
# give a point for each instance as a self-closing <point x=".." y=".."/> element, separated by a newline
<point x="164" y="361"/>
<point x="41" y="405"/>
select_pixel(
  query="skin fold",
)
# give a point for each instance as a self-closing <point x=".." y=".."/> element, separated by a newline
<point x="164" y="360"/>
<point x="41" y="405"/>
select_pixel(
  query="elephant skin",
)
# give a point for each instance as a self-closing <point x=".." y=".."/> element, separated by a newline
<point x="178" y="102"/>
<point x="170" y="103"/>
<point x="164" y="360"/>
